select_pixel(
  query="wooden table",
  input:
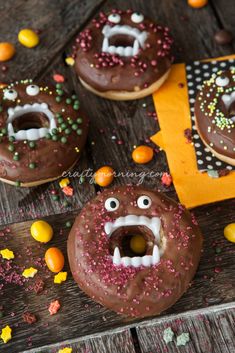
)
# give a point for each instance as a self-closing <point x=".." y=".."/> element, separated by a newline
<point x="206" y="311"/>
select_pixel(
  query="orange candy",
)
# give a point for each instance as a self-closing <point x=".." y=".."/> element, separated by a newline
<point x="54" y="259"/>
<point x="142" y="154"/>
<point x="197" y="3"/>
<point x="104" y="176"/>
<point x="7" y="51"/>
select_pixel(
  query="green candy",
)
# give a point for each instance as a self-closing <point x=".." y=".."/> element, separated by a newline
<point x="76" y="107"/>
<point x="63" y="139"/>
<point x="79" y="132"/>
<point x="11" y="138"/>
<point x="48" y="136"/>
<point x="74" y="126"/>
<point x="60" y="120"/>
<point x="67" y="131"/>
<point x="11" y="148"/>
<point x="55" y="197"/>
<point x="68" y="224"/>
<point x="4" y="131"/>
<point x="32" y="144"/>
<point x="32" y="165"/>
<point x="55" y="138"/>
<point x="79" y="120"/>
<point x="58" y="85"/>
<point x="17" y="183"/>
<point x="63" y="126"/>
<point x="60" y="92"/>
<point x="59" y="115"/>
<point x="54" y="131"/>
<point x="74" y="96"/>
<point x="58" y="99"/>
<point x="68" y="101"/>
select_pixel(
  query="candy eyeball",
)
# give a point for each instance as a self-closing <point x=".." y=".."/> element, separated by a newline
<point x="32" y="90"/>
<point x="114" y="18"/>
<point x="222" y="81"/>
<point x="10" y="94"/>
<point x="144" y="202"/>
<point x="137" y="17"/>
<point x="111" y="204"/>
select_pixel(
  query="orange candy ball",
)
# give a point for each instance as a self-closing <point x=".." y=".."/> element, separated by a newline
<point x="7" y="51"/>
<point x="142" y="154"/>
<point x="54" y="259"/>
<point x="104" y="176"/>
<point x="197" y="3"/>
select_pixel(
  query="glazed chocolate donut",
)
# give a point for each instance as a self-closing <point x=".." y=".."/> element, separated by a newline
<point x="42" y="133"/>
<point x="215" y="115"/>
<point x="123" y="55"/>
<point x="107" y="267"/>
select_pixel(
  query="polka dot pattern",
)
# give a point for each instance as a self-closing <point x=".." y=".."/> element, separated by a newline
<point x="197" y="72"/>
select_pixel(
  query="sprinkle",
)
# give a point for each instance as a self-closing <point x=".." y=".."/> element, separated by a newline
<point x="168" y="335"/>
<point x="65" y="350"/>
<point x="69" y="61"/>
<point x="54" y="307"/>
<point x="60" y="277"/>
<point x="7" y="254"/>
<point x="58" y="78"/>
<point x="29" y="318"/>
<point x="29" y="272"/>
<point x="182" y="339"/>
<point x="64" y="182"/>
<point x="6" y="334"/>
<point x="213" y="173"/>
<point x="166" y="179"/>
<point x="68" y="190"/>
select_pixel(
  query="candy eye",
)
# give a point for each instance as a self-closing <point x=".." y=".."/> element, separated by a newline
<point x="137" y="17"/>
<point x="10" y="94"/>
<point x="144" y="202"/>
<point x="32" y="90"/>
<point x="111" y="204"/>
<point x="222" y="81"/>
<point x="114" y="18"/>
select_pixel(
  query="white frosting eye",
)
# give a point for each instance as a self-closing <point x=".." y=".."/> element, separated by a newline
<point x="144" y="202"/>
<point x="137" y="17"/>
<point x="114" y="18"/>
<point x="222" y="81"/>
<point x="32" y="90"/>
<point x="111" y="204"/>
<point x="10" y="94"/>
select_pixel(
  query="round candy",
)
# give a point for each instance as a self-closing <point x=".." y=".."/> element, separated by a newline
<point x="138" y="244"/>
<point x="142" y="154"/>
<point x="229" y="232"/>
<point x="28" y="38"/>
<point x="7" y="51"/>
<point x="41" y="231"/>
<point x="197" y="3"/>
<point x="54" y="259"/>
<point x="104" y="176"/>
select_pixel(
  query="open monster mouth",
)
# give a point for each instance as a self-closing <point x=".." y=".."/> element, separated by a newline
<point x="123" y="40"/>
<point x="121" y="233"/>
<point x="229" y="102"/>
<point x="30" y="121"/>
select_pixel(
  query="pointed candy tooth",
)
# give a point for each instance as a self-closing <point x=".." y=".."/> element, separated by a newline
<point x="116" y="257"/>
<point x="135" y="47"/>
<point x="112" y="49"/>
<point x="147" y="260"/>
<point x="156" y="255"/>
<point x="108" y="228"/>
<point x="105" y="45"/>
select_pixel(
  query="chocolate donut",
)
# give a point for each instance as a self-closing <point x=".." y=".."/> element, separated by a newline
<point x="215" y="115"/>
<point x="123" y="55"/>
<point x="42" y="133"/>
<point x="107" y="268"/>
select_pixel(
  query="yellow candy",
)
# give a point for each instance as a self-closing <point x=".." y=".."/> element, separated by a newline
<point x="64" y="182"/>
<point x="60" y="277"/>
<point x="229" y="232"/>
<point x="29" y="272"/>
<point x="28" y="38"/>
<point x="138" y="244"/>
<point x="41" y="231"/>
<point x="65" y="350"/>
<point x="6" y="334"/>
<point x="7" y="254"/>
<point x="69" y="61"/>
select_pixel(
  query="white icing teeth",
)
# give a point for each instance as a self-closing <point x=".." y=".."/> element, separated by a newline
<point x="228" y="99"/>
<point x="139" y="39"/>
<point x="30" y="134"/>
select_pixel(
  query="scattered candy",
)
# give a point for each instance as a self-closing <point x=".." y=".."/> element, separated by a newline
<point x="28" y="38"/>
<point x="60" y="277"/>
<point x="54" y="307"/>
<point x="166" y="179"/>
<point x="69" y="61"/>
<point x="41" y="231"/>
<point x="182" y="339"/>
<point x="29" y="318"/>
<point x="7" y="254"/>
<point x="104" y="176"/>
<point x="68" y="190"/>
<point x="7" y="51"/>
<point x="138" y="244"/>
<point x="6" y="334"/>
<point x="64" y="182"/>
<point x="142" y="154"/>
<point x="58" y="78"/>
<point x="29" y="272"/>
<point x="54" y="259"/>
<point x="197" y="3"/>
<point x="229" y="232"/>
<point x="38" y="286"/>
<point x="223" y="37"/>
<point x="65" y="350"/>
<point x="168" y="335"/>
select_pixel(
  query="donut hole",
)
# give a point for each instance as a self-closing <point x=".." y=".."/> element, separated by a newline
<point x="32" y="120"/>
<point x="121" y="40"/>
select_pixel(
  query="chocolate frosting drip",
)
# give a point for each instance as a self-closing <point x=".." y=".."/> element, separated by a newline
<point x="134" y="291"/>
<point x="104" y="71"/>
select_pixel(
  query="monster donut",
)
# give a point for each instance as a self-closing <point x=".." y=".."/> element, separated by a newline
<point x="42" y="133"/>
<point x="215" y="115"/>
<point x="123" y="55"/>
<point x="134" y="250"/>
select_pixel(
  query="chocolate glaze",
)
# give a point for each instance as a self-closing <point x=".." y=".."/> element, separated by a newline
<point x="219" y="135"/>
<point x="51" y="158"/>
<point x="104" y="71"/>
<point x="141" y="291"/>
